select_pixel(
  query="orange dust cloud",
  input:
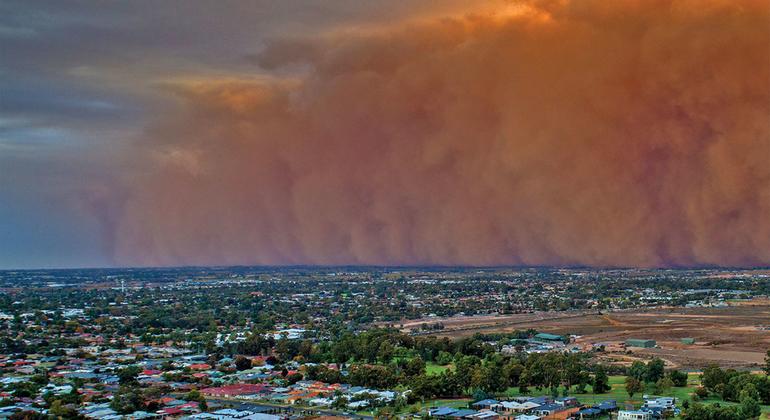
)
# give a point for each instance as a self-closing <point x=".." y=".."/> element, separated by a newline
<point x="591" y="132"/>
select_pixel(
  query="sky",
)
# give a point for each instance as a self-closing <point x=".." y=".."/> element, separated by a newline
<point x="532" y="132"/>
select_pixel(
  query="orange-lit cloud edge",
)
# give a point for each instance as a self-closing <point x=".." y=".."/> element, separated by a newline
<point x="540" y="133"/>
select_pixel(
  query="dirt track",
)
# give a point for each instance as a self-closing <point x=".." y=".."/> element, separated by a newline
<point x="736" y="336"/>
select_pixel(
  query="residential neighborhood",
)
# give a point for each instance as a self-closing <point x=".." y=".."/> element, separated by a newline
<point x="214" y="343"/>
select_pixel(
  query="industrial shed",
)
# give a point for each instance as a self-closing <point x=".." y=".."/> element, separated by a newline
<point x="637" y="342"/>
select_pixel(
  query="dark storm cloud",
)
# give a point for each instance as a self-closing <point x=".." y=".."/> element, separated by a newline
<point x="70" y="59"/>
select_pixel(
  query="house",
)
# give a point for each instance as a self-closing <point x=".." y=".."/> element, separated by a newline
<point x="441" y="412"/>
<point x="289" y="333"/>
<point x="139" y="415"/>
<point x="463" y="414"/>
<point x="321" y="402"/>
<point x="562" y="414"/>
<point x="666" y="403"/>
<point x="539" y="400"/>
<point x="261" y="416"/>
<point x="513" y="407"/>
<point x="484" y="404"/>
<point x="606" y="406"/>
<point x="101" y="413"/>
<point x="567" y="401"/>
<point x="358" y="405"/>
<point x="235" y="390"/>
<point x="484" y="415"/>
<point x="56" y="390"/>
<point x="587" y="413"/>
<point x="547" y="409"/>
<point x="9" y="410"/>
<point x="200" y="366"/>
<point x="230" y="414"/>
<point x="634" y="415"/>
<point x="170" y="411"/>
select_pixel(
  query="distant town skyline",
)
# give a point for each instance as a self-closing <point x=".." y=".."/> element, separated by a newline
<point x="505" y="133"/>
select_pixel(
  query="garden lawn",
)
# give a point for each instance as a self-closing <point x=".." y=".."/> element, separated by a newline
<point x="617" y="392"/>
<point x="434" y="369"/>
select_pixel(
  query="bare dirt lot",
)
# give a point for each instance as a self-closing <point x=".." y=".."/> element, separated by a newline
<point x="735" y="336"/>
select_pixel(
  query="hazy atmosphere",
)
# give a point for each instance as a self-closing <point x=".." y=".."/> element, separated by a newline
<point x="384" y="209"/>
<point x="594" y="133"/>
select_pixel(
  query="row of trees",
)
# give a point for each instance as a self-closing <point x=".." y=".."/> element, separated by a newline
<point x="639" y="375"/>
<point x="748" y="409"/>
<point x="473" y="375"/>
<point x="734" y="386"/>
<point x="378" y="345"/>
<point x="745" y="388"/>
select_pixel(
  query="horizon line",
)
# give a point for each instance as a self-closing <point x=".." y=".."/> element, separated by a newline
<point x="396" y="266"/>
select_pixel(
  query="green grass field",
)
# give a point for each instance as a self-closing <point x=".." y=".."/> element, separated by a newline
<point x="431" y="368"/>
<point x="434" y="369"/>
<point x="617" y="393"/>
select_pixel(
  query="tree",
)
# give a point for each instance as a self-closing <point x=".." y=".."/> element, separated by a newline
<point x="444" y="358"/>
<point x="479" y="394"/>
<point x="488" y="379"/>
<point x="767" y="363"/>
<point x="524" y="382"/>
<point x="678" y="378"/>
<point x="385" y="351"/>
<point x="574" y="371"/>
<point x="637" y="370"/>
<point x="340" y="403"/>
<point x="57" y="409"/>
<point x="749" y="408"/>
<point x="284" y="348"/>
<point x="601" y="380"/>
<point x="414" y="367"/>
<point x="712" y="412"/>
<point x="195" y="395"/>
<point x="293" y="378"/>
<point x="127" y="375"/>
<point x="712" y="376"/>
<point x="242" y="363"/>
<point x="664" y="384"/>
<point x="633" y="386"/>
<point x="126" y="400"/>
<point x="28" y="415"/>
<point x="465" y="366"/>
<point x="423" y="386"/>
<point x="512" y="372"/>
<point x="654" y="371"/>
<point x="555" y="391"/>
